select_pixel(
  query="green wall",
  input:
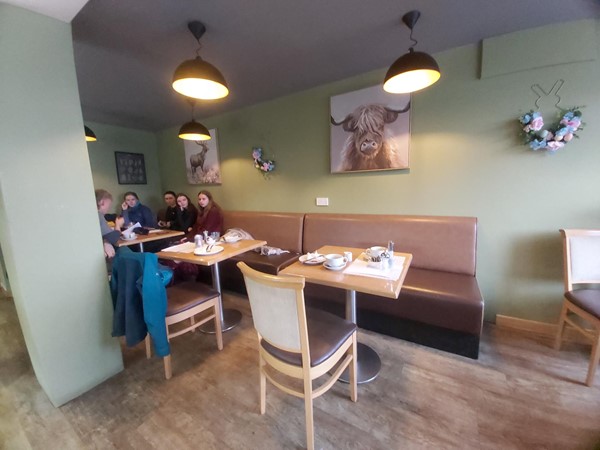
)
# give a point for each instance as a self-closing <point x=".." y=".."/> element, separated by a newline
<point x="466" y="159"/>
<point x="49" y="230"/>
<point x="113" y="139"/>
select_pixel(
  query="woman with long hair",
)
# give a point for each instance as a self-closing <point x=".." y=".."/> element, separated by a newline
<point x="185" y="214"/>
<point x="210" y="214"/>
<point x="135" y="212"/>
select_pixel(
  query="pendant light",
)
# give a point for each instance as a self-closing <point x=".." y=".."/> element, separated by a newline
<point x="194" y="131"/>
<point x="90" y="136"/>
<point x="413" y="71"/>
<point x="197" y="78"/>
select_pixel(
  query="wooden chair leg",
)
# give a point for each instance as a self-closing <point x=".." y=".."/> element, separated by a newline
<point x="218" y="330"/>
<point x="594" y="360"/>
<point x="263" y="385"/>
<point x="192" y="322"/>
<point x="308" y="410"/>
<point x="353" y="368"/>
<point x="168" y="369"/>
<point x="148" y="346"/>
<point x="561" y="326"/>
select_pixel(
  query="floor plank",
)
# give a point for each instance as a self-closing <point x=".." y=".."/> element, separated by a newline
<point x="520" y="394"/>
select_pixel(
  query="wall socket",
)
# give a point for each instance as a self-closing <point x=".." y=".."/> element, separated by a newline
<point x="322" y="201"/>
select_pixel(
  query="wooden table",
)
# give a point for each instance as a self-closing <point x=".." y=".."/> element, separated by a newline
<point x="368" y="361"/>
<point x="229" y="317"/>
<point x="141" y="238"/>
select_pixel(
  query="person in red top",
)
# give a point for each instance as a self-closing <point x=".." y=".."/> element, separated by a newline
<point x="210" y="215"/>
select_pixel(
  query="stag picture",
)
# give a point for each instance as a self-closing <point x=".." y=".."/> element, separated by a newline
<point x="370" y="130"/>
<point x="202" y="161"/>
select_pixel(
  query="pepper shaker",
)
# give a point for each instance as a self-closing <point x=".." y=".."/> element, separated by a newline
<point x="198" y="241"/>
<point x="390" y="249"/>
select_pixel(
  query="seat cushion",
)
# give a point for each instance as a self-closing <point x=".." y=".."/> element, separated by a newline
<point x="186" y="295"/>
<point x="326" y="334"/>
<point x="586" y="299"/>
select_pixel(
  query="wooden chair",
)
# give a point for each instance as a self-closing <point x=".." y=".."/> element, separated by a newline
<point x="581" y="251"/>
<point x="184" y="302"/>
<point x="295" y="347"/>
<point x="144" y="307"/>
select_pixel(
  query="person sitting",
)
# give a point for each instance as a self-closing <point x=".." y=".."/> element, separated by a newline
<point x="210" y="215"/>
<point x="135" y="212"/>
<point x="185" y="214"/>
<point x="166" y="216"/>
<point x="110" y="235"/>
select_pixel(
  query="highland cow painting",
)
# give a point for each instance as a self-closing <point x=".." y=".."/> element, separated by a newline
<point x="202" y="160"/>
<point x="370" y="130"/>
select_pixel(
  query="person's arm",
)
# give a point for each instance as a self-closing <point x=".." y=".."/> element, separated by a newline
<point x="109" y="250"/>
<point x="214" y="221"/>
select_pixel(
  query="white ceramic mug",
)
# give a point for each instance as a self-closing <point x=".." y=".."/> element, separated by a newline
<point x="335" y="260"/>
<point x="376" y="252"/>
<point x="348" y="256"/>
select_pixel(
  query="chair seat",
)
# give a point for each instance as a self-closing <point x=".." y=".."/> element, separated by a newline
<point x="586" y="299"/>
<point x="186" y="295"/>
<point x="326" y="333"/>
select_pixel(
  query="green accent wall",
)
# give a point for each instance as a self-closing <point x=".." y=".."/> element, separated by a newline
<point x="113" y="139"/>
<point x="49" y="230"/>
<point x="466" y="159"/>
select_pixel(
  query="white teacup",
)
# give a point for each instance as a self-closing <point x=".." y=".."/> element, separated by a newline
<point x="129" y="236"/>
<point x="376" y="252"/>
<point x="335" y="260"/>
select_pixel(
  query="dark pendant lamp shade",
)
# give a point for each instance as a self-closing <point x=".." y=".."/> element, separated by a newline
<point x="194" y="131"/>
<point x="413" y="71"/>
<point x="197" y="78"/>
<point x="90" y="136"/>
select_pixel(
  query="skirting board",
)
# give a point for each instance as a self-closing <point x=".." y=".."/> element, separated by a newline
<point x="539" y="328"/>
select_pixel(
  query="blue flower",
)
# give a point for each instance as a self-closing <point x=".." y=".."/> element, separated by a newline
<point x="561" y="131"/>
<point x="568" y="116"/>
<point x="525" y="119"/>
<point x="256" y="152"/>
<point x="537" y="144"/>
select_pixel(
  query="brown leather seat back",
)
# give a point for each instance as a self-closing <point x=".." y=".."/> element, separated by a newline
<point x="282" y="230"/>
<point x="436" y="242"/>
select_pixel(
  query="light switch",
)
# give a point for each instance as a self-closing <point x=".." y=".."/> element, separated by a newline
<point x="322" y="201"/>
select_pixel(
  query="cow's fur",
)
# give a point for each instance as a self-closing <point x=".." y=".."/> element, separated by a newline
<point x="197" y="159"/>
<point x="367" y="147"/>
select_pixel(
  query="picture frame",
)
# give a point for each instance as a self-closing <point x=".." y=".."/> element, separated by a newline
<point x="131" y="168"/>
<point x="202" y="161"/>
<point x="370" y="131"/>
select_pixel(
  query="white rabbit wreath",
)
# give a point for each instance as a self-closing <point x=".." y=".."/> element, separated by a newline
<point x="559" y="134"/>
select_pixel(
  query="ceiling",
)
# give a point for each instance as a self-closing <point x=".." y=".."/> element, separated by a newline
<point x="63" y="10"/>
<point x="126" y="51"/>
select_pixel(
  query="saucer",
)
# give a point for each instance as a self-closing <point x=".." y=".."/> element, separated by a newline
<point x="231" y="239"/>
<point x="313" y="260"/>
<point x="328" y="267"/>
<point x="213" y="251"/>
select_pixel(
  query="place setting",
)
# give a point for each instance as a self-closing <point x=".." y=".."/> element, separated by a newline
<point x="378" y="262"/>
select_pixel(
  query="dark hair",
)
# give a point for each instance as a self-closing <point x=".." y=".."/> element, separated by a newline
<point x="102" y="194"/>
<point x="172" y="193"/>
<point x="131" y="193"/>
<point x="211" y="203"/>
<point x="181" y="194"/>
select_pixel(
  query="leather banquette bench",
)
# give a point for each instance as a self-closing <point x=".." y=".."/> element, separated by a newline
<point x="440" y="304"/>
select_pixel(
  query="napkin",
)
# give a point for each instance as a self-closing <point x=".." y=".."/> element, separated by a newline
<point x="129" y="230"/>
<point x="187" y="247"/>
<point x="360" y="267"/>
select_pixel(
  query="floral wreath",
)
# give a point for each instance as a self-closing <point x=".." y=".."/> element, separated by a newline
<point x="264" y="165"/>
<point x="556" y="136"/>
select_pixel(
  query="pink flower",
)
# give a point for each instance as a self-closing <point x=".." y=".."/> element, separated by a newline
<point x="537" y="124"/>
<point x="572" y="124"/>
<point x="554" y="145"/>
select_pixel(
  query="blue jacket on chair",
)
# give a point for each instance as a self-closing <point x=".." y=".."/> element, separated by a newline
<point x="140" y="298"/>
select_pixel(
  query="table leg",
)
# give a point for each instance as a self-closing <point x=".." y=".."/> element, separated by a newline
<point x="368" y="362"/>
<point x="141" y="247"/>
<point x="230" y="318"/>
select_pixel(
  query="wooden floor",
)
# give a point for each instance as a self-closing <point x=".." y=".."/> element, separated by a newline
<point x="521" y="394"/>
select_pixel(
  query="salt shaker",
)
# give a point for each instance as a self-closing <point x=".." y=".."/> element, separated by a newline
<point x="390" y="249"/>
<point x="198" y="241"/>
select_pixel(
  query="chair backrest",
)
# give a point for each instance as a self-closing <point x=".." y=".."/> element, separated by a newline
<point x="581" y="251"/>
<point x="278" y="310"/>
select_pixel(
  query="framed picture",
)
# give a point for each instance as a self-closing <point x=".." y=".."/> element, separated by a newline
<point x="131" y="168"/>
<point x="202" y="160"/>
<point x="370" y="130"/>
